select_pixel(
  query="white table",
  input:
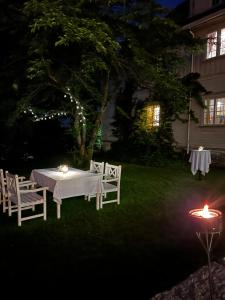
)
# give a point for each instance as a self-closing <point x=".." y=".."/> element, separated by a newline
<point x="71" y="184"/>
<point x="200" y="161"/>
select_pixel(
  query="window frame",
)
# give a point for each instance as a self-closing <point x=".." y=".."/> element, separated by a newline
<point x="217" y="113"/>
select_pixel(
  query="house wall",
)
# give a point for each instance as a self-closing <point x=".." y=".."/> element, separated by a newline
<point x="211" y="137"/>
<point x="212" y="77"/>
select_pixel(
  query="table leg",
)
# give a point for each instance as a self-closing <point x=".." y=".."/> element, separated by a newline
<point x="58" y="207"/>
<point x="58" y="210"/>
<point x="97" y="201"/>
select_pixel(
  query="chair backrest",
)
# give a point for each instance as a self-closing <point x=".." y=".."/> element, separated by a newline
<point x="112" y="171"/>
<point x="2" y="184"/>
<point x="97" y="167"/>
<point x="12" y="182"/>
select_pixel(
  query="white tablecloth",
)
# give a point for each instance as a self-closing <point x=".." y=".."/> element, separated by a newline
<point x="73" y="183"/>
<point x="200" y="160"/>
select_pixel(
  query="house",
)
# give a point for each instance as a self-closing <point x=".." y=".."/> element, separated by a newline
<point x="207" y="20"/>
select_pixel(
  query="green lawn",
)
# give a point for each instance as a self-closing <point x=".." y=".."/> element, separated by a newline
<point x="131" y="251"/>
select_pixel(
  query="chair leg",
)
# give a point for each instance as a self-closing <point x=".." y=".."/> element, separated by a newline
<point x="9" y="208"/>
<point x="118" y="197"/>
<point x="45" y="210"/>
<point x="101" y="200"/>
<point x="4" y="204"/>
<point x="19" y="216"/>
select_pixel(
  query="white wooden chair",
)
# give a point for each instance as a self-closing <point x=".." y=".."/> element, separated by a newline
<point x="3" y="194"/>
<point x="98" y="168"/>
<point x="110" y="183"/>
<point x="20" y="199"/>
<point x="3" y="188"/>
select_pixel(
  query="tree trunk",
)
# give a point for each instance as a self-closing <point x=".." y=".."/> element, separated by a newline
<point x="98" y="120"/>
<point x="84" y="153"/>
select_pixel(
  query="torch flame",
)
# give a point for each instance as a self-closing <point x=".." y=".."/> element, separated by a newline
<point x="205" y="212"/>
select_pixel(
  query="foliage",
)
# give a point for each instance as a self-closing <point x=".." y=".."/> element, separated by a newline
<point x="169" y="47"/>
<point x="65" y="45"/>
<point x="155" y="146"/>
<point x="61" y="55"/>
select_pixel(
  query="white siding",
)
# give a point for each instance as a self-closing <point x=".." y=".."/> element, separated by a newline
<point x="212" y="72"/>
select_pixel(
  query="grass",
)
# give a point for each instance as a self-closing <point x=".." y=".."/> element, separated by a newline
<point x="132" y="251"/>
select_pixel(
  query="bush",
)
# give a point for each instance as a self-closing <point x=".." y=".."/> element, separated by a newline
<point x="155" y="147"/>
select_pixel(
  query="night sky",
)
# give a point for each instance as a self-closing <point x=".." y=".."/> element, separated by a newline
<point x="170" y="3"/>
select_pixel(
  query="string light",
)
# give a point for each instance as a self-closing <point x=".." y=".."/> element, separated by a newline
<point x="43" y="116"/>
<point x="51" y="115"/>
<point x="79" y="107"/>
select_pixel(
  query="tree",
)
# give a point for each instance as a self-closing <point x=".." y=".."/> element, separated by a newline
<point x="78" y="54"/>
<point x="169" y="46"/>
<point x="69" y="57"/>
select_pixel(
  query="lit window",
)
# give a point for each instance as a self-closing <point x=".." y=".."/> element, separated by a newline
<point x="222" y="41"/>
<point x="214" y="112"/>
<point x="152" y="116"/>
<point x="216" y="43"/>
<point x="211" y="44"/>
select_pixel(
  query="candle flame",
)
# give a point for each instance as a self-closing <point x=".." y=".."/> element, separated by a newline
<point x="63" y="168"/>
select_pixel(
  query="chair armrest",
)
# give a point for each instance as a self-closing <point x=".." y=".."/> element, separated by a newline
<point x="27" y="183"/>
<point x="21" y="178"/>
<point x="34" y="190"/>
<point x="111" y="180"/>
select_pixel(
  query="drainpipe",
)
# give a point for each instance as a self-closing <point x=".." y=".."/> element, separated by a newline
<point x="189" y="106"/>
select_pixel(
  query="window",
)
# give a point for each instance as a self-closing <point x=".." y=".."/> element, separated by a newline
<point x="222" y="41"/>
<point x="216" y="43"/>
<point x="152" y="116"/>
<point x="214" y="113"/>
<point x="211" y="44"/>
